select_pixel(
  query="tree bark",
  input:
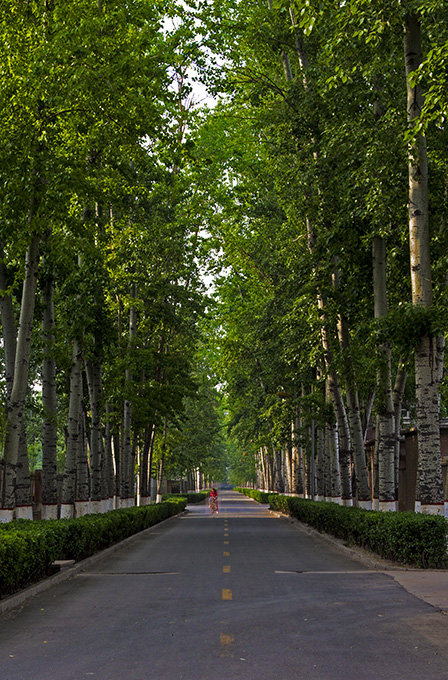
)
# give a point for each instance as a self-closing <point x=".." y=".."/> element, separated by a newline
<point x="354" y="419"/>
<point x="14" y="422"/>
<point x="73" y="434"/>
<point x="49" y="405"/>
<point x="429" y="484"/>
<point x="109" y="460"/>
<point x="127" y="476"/>
<point x="385" y="431"/>
<point x="94" y="382"/>
<point x="397" y="397"/>
<point x="82" y="493"/>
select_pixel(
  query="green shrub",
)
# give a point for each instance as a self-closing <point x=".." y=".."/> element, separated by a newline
<point x="259" y="496"/>
<point x="405" y="537"/>
<point x="28" y="549"/>
<point x="191" y="497"/>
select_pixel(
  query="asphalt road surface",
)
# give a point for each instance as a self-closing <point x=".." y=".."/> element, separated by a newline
<point x="243" y="595"/>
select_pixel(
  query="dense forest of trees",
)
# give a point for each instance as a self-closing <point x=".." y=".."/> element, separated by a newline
<point x="314" y="191"/>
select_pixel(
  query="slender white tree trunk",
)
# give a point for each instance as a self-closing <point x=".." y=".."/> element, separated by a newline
<point x="82" y="493"/>
<point x="127" y="476"/>
<point x="354" y="420"/>
<point x="429" y="496"/>
<point x="49" y="405"/>
<point x="385" y="431"/>
<point x="73" y="434"/>
<point x="397" y="397"/>
<point x="94" y="381"/>
<point x="297" y="456"/>
<point x="14" y="422"/>
<point x="109" y="460"/>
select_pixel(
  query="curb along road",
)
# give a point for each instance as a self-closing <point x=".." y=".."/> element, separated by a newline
<point x="429" y="585"/>
<point x="17" y="599"/>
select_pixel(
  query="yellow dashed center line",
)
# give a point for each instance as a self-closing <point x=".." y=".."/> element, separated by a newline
<point x="226" y="642"/>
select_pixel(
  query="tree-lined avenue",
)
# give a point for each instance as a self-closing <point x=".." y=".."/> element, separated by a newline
<point x="239" y="595"/>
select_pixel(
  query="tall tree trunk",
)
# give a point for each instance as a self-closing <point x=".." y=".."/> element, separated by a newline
<point x="14" y="422"/>
<point x="320" y="467"/>
<point x="429" y="483"/>
<point x="8" y="325"/>
<point x="385" y="431"/>
<point x="49" y="406"/>
<point x="297" y="456"/>
<point x="161" y="466"/>
<point x="24" y="507"/>
<point x="73" y="434"/>
<point x="143" y="486"/>
<point x="94" y="382"/>
<point x="355" y="420"/>
<point x="82" y="492"/>
<point x="23" y="500"/>
<point x="397" y="397"/>
<point x="262" y="468"/>
<point x="127" y="481"/>
<point x="109" y="460"/>
<point x="334" y="476"/>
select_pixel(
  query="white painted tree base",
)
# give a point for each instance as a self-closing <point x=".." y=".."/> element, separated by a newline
<point x="6" y="515"/>
<point x="82" y="508"/>
<point x="347" y="502"/>
<point x="98" y="507"/>
<point x="67" y="511"/>
<point x="376" y="504"/>
<point x="49" y="511"/>
<point x="433" y="509"/>
<point x="145" y="500"/>
<point x="24" y="512"/>
<point x="365" y="505"/>
<point x="125" y="502"/>
<point x="159" y="498"/>
<point x="387" y="506"/>
<point x="336" y="499"/>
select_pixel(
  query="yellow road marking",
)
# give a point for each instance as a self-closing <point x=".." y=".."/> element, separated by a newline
<point x="226" y="534"/>
<point x="226" y="542"/>
<point x="226" y="554"/>
<point x="226" y="642"/>
<point x="226" y="569"/>
<point x="227" y="594"/>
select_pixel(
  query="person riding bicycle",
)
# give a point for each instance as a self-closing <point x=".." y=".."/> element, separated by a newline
<point x="213" y="500"/>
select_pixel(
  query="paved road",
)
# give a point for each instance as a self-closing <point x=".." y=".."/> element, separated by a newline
<point x="242" y="595"/>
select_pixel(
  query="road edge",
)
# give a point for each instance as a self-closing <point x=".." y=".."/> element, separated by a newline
<point x="17" y="599"/>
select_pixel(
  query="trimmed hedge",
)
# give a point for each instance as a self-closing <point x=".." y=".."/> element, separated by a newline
<point x="260" y="496"/>
<point x="191" y="497"/>
<point x="405" y="537"/>
<point x="28" y="549"/>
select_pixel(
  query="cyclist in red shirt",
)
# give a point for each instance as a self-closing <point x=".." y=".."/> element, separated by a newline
<point x="213" y="500"/>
